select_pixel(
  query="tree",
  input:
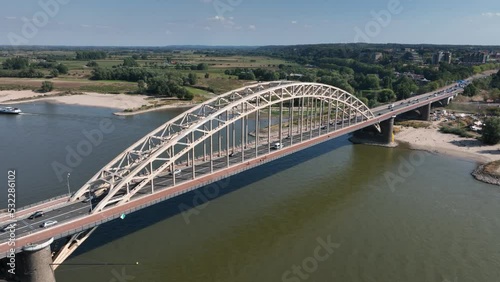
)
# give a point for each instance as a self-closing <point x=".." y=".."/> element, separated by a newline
<point x="404" y="87"/>
<point x="144" y="57"/>
<point x="192" y="78"/>
<point x="141" y="86"/>
<point x="54" y="73"/>
<point x="63" y="69"/>
<point x="135" y="57"/>
<point x="202" y="66"/>
<point x="130" y="62"/>
<point x="207" y="75"/>
<point x="470" y="90"/>
<point x="387" y="82"/>
<point x="371" y="82"/>
<point x="16" y="63"/>
<point x="92" y="64"/>
<point x="491" y="131"/>
<point x="386" y="95"/>
<point x="495" y="81"/>
<point x="90" y="55"/>
<point x="47" y="86"/>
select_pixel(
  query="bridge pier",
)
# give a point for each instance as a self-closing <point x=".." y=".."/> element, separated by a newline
<point x="425" y="112"/>
<point x="387" y="127"/>
<point x="373" y="137"/>
<point x="445" y="102"/>
<point x="35" y="263"/>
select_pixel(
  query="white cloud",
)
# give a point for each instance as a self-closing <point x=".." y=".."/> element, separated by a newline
<point x="308" y="26"/>
<point x="490" y="14"/>
<point x="85" y="25"/>
<point x="103" y="26"/>
<point x="207" y="28"/>
<point x="206" y="1"/>
<point x="295" y="22"/>
<point x="11" y="18"/>
<point x="217" y="19"/>
<point x="226" y="22"/>
<point x="168" y="32"/>
<point x="252" y="27"/>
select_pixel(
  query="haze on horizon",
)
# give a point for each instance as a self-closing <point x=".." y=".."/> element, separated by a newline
<point x="247" y="22"/>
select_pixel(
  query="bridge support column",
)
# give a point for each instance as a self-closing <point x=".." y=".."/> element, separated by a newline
<point x="444" y="102"/>
<point x="425" y="112"/>
<point x="35" y="263"/>
<point x="387" y="127"/>
<point x="371" y="136"/>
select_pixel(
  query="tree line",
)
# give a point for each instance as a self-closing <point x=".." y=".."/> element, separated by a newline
<point x="151" y="82"/>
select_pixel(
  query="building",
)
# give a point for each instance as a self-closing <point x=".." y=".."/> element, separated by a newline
<point x="476" y="58"/>
<point x="441" y="57"/>
<point x="437" y="58"/>
<point x="377" y="56"/>
<point x="447" y="57"/>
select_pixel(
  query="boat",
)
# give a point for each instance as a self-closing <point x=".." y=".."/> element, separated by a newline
<point x="10" y="110"/>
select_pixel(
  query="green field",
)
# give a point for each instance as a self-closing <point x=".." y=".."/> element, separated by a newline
<point x="78" y="76"/>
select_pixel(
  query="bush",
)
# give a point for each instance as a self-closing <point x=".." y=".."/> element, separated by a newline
<point x="491" y="131"/>
<point x="456" y="130"/>
<point x="47" y="86"/>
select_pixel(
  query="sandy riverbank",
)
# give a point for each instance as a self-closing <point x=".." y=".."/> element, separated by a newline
<point x="430" y="139"/>
<point x="113" y="101"/>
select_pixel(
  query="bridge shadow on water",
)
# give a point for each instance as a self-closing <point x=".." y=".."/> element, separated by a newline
<point x="116" y="229"/>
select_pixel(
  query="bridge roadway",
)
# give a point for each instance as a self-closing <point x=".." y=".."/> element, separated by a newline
<point x="74" y="217"/>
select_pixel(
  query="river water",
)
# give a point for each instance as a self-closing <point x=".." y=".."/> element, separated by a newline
<point x="334" y="212"/>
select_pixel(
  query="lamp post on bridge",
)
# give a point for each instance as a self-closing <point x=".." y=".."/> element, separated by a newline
<point x="90" y="200"/>
<point x="67" y="183"/>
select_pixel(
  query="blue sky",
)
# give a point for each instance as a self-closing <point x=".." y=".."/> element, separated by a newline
<point x="248" y="22"/>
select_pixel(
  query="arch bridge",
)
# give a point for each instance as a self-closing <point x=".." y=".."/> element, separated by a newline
<point x="232" y="128"/>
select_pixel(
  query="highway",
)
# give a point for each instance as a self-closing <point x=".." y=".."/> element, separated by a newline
<point x="75" y="210"/>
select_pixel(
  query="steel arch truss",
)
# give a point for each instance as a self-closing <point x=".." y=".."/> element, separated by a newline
<point x="172" y="144"/>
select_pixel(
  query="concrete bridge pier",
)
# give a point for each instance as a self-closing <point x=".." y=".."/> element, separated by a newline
<point x="387" y="127"/>
<point x="35" y="263"/>
<point x="371" y="136"/>
<point x="445" y="102"/>
<point x="425" y="112"/>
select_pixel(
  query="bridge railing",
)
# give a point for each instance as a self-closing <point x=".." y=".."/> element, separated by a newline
<point x="41" y="202"/>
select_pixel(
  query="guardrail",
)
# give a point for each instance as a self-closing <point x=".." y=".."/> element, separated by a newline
<point x="41" y="202"/>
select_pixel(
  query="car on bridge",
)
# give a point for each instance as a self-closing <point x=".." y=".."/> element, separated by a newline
<point x="88" y="199"/>
<point x="36" y="215"/>
<point x="48" y="223"/>
<point x="10" y="226"/>
<point x="175" y="172"/>
<point x="277" y="146"/>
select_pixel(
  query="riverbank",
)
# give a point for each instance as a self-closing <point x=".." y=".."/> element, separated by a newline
<point x="128" y="104"/>
<point x="431" y="139"/>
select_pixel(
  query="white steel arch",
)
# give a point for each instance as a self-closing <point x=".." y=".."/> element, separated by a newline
<point x="130" y="171"/>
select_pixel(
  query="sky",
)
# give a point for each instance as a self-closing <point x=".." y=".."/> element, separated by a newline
<point x="247" y="22"/>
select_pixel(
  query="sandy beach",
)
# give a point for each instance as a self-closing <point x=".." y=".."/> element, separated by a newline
<point x="115" y="101"/>
<point x="430" y="139"/>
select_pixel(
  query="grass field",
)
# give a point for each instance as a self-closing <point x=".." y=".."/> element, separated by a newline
<point x="78" y="77"/>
